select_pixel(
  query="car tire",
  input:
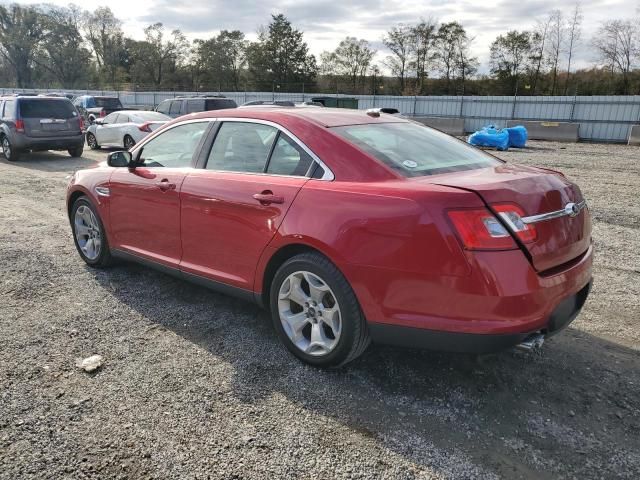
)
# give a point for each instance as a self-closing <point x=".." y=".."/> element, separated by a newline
<point x="10" y="153"/>
<point x="87" y="227"/>
<point x="92" y="141"/>
<point x="128" y="142"/>
<point x="319" y="334"/>
<point x="76" y="152"/>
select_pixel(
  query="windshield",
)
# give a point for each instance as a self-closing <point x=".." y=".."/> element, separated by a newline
<point x="414" y="150"/>
<point x="105" y="102"/>
<point x="41" y="108"/>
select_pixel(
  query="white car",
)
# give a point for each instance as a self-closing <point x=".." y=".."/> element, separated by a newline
<point x="123" y="128"/>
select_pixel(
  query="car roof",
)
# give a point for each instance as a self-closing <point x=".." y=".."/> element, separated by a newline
<point x="325" y="117"/>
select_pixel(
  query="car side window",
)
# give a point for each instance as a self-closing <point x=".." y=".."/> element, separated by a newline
<point x="195" y="106"/>
<point x="111" y="118"/>
<point x="288" y="158"/>
<point x="164" y="107"/>
<point x="175" y="107"/>
<point x="1" y="108"/>
<point x="8" y="109"/>
<point x="174" y="148"/>
<point x="122" y="119"/>
<point x="241" y="147"/>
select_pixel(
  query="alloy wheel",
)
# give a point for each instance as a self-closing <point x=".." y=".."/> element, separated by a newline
<point x="128" y="142"/>
<point x="6" y="148"/>
<point x="87" y="231"/>
<point x="309" y="313"/>
<point x="91" y="141"/>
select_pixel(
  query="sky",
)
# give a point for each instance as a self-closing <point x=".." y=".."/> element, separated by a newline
<point x="326" y="22"/>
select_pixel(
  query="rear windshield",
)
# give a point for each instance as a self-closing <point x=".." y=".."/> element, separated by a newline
<point x="414" y="150"/>
<point x="44" y="108"/>
<point x="219" y="104"/>
<point x="104" y="102"/>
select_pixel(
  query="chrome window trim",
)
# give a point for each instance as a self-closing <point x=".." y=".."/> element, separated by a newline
<point x="328" y="174"/>
<point x="570" y="209"/>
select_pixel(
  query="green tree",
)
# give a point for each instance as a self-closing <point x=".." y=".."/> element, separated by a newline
<point x="61" y="51"/>
<point x="222" y="59"/>
<point x="351" y="60"/>
<point x="450" y="37"/>
<point x="281" y="55"/>
<point x="103" y="31"/>
<point x="21" y="31"/>
<point x="510" y="54"/>
<point x="423" y="38"/>
<point x="159" y="53"/>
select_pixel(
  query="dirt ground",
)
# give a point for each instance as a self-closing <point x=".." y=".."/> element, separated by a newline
<point x="196" y="385"/>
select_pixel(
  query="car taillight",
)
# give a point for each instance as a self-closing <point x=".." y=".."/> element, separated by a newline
<point x="20" y="125"/>
<point x="479" y="229"/>
<point x="512" y="215"/>
<point x="80" y="123"/>
<point x="145" y="127"/>
<point x="103" y="113"/>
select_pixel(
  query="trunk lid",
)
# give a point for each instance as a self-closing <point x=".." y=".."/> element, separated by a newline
<point x="536" y="191"/>
<point x="44" y="117"/>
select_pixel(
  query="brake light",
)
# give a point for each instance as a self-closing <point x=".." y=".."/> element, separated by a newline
<point x="20" y="125"/>
<point x="512" y="215"/>
<point x="145" y="127"/>
<point x="103" y="113"/>
<point x="479" y="229"/>
<point x="80" y="123"/>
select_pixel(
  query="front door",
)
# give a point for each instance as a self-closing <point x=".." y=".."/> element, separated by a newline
<point x="145" y="201"/>
<point x="233" y="207"/>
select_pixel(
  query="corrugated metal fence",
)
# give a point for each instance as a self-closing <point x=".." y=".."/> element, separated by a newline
<point x="605" y="118"/>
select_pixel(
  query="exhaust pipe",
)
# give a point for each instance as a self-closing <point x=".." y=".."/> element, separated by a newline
<point x="531" y="343"/>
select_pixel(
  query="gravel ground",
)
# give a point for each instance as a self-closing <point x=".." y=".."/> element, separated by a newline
<point x="196" y="385"/>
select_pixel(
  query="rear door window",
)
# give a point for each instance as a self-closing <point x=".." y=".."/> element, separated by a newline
<point x="8" y="108"/>
<point x="241" y="147"/>
<point x="195" y="106"/>
<point x="164" y="106"/>
<point x="219" y="104"/>
<point x="45" y="108"/>
<point x="288" y="158"/>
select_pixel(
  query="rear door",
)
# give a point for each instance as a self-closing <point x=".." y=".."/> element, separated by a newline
<point x="48" y="117"/>
<point x="233" y="207"/>
<point x="536" y="191"/>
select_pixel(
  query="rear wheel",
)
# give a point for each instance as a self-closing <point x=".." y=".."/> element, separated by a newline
<point x="89" y="235"/>
<point x="129" y="142"/>
<point x="8" y="151"/>
<point x="316" y="313"/>
<point x="92" y="141"/>
<point x="76" y="152"/>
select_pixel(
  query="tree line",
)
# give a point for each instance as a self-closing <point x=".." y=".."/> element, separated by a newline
<point x="68" y="47"/>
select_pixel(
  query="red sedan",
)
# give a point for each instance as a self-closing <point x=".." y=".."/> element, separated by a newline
<point x="348" y="226"/>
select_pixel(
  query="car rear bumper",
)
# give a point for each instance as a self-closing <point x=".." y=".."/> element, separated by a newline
<point x="23" y="142"/>
<point x="502" y="296"/>
<point x="561" y="316"/>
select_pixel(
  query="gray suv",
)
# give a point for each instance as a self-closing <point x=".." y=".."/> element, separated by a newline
<point x="39" y="123"/>
<point x="176" y="107"/>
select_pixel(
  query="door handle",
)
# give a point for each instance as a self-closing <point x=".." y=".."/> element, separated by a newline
<point x="166" y="185"/>
<point x="267" y="197"/>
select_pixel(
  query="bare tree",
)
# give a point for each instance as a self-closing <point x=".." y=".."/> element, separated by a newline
<point x="555" y="45"/>
<point x="398" y="40"/>
<point x="574" y="30"/>
<point x="618" y="44"/>
<point x="351" y="59"/>
<point x="539" y="42"/>
<point x="423" y="37"/>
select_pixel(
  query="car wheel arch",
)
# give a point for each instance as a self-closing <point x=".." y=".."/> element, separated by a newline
<point x="279" y="257"/>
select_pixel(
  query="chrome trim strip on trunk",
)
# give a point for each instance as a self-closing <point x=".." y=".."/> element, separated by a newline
<point x="570" y="209"/>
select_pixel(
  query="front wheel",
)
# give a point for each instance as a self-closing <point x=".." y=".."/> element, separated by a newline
<point x="89" y="235"/>
<point x="92" y="141"/>
<point x="316" y="313"/>
<point x="8" y="151"/>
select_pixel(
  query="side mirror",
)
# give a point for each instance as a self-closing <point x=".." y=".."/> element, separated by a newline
<point x="119" y="159"/>
<point x="98" y="122"/>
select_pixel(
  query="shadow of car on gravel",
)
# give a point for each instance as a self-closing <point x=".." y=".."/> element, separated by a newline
<point x="571" y="410"/>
